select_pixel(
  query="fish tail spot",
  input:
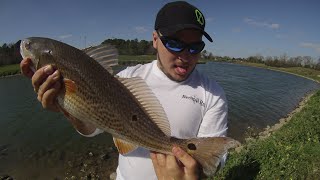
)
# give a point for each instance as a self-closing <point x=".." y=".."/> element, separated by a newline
<point x="192" y="146"/>
<point x="134" y="118"/>
<point x="209" y="151"/>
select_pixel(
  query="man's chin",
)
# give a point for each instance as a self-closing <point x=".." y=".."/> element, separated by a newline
<point x="179" y="77"/>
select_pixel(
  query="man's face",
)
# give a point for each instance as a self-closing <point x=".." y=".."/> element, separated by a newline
<point x="177" y="65"/>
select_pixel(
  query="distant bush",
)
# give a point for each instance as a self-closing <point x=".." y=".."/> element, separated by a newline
<point x="9" y="54"/>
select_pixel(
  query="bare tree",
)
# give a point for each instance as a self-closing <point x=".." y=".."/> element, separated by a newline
<point x="307" y="61"/>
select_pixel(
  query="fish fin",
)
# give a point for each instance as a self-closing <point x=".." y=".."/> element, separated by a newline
<point x="66" y="113"/>
<point x="105" y="54"/>
<point x="141" y="91"/>
<point x="71" y="86"/>
<point x="208" y="151"/>
<point x="123" y="146"/>
<point x="70" y="117"/>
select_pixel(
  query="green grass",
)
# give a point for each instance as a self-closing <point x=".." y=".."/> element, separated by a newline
<point x="137" y="58"/>
<point x="128" y="60"/>
<point x="123" y="60"/>
<point x="9" y="69"/>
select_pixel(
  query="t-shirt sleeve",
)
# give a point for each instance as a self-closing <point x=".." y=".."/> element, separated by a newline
<point x="129" y="71"/>
<point x="123" y="73"/>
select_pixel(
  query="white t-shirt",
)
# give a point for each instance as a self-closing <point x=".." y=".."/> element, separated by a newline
<point x="196" y="107"/>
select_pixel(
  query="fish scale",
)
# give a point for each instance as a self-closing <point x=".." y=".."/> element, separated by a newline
<point x="123" y="107"/>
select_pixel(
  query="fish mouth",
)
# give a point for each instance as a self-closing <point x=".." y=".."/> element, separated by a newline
<point x="25" y="48"/>
<point x="25" y="51"/>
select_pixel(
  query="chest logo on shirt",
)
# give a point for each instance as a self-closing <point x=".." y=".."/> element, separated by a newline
<point x="195" y="100"/>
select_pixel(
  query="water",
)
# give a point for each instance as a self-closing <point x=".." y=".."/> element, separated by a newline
<point x="257" y="97"/>
<point x="38" y="144"/>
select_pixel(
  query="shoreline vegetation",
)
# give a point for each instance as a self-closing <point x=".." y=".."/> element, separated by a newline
<point x="124" y="60"/>
<point x="287" y="150"/>
<point x="307" y="73"/>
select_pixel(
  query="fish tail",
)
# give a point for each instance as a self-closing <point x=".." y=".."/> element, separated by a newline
<point x="209" y="151"/>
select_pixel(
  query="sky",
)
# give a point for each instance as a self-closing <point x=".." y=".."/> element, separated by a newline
<point x="239" y="28"/>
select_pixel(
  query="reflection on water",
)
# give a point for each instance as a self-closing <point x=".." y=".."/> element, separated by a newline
<point x="37" y="144"/>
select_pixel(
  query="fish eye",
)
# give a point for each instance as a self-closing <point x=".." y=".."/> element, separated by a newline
<point x="27" y="45"/>
<point x="134" y="118"/>
<point x="48" y="51"/>
<point x="192" y="146"/>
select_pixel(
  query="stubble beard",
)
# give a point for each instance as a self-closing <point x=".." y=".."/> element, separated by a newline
<point x="161" y="67"/>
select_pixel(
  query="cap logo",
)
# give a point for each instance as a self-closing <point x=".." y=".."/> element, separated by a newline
<point x="200" y="17"/>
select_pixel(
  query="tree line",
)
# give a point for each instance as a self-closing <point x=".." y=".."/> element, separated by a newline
<point x="143" y="47"/>
<point x="132" y="47"/>
<point x="286" y="61"/>
<point x="9" y="54"/>
<point x="274" y="61"/>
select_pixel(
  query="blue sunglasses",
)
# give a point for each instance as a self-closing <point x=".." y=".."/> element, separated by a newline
<point x="176" y="45"/>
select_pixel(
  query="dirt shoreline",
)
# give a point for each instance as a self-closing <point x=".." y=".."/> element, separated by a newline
<point x="11" y="75"/>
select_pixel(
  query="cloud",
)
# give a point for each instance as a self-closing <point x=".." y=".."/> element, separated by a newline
<point x="313" y="46"/>
<point x="236" y="30"/>
<point x="281" y="36"/>
<point x="140" y="29"/>
<point x="261" y="24"/>
<point x="65" y="36"/>
<point x="209" y="19"/>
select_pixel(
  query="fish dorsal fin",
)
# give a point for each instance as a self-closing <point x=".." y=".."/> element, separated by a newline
<point x="139" y="88"/>
<point x="105" y="54"/>
<point x="123" y="146"/>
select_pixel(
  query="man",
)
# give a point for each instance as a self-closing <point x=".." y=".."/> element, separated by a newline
<point x="195" y="105"/>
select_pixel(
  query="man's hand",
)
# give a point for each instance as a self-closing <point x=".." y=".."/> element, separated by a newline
<point x="45" y="81"/>
<point x="179" y="166"/>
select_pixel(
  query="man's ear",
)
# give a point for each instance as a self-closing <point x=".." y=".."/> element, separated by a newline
<point x="155" y="39"/>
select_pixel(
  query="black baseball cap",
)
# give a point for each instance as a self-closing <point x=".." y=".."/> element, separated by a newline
<point x="179" y="15"/>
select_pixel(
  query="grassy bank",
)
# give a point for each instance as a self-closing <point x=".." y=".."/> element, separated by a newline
<point x="11" y="69"/>
<point x="128" y="60"/>
<point x="124" y="60"/>
<point x="300" y="71"/>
